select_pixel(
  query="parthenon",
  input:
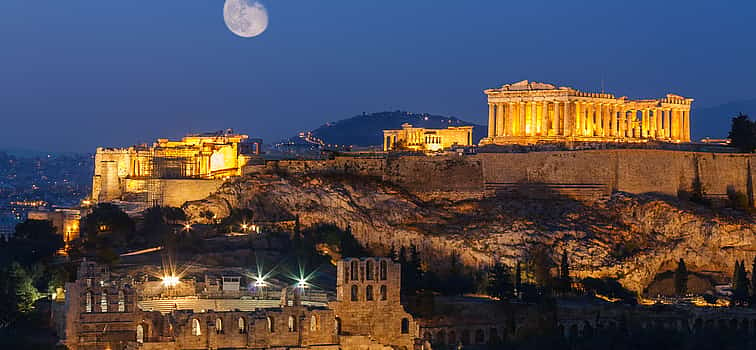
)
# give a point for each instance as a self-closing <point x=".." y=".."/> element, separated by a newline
<point x="530" y="112"/>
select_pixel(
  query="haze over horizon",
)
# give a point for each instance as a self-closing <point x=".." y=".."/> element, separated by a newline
<point x="81" y="74"/>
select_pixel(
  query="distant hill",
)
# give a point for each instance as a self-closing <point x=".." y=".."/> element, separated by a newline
<point x="715" y="121"/>
<point x="367" y="129"/>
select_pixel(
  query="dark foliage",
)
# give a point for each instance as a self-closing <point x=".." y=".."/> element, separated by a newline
<point x="743" y="133"/>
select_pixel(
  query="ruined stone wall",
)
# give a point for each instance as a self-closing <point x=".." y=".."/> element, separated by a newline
<point x="368" y="301"/>
<point x="176" y="192"/>
<point x="111" y="165"/>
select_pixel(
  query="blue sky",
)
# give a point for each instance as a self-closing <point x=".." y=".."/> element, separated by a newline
<point x="76" y="74"/>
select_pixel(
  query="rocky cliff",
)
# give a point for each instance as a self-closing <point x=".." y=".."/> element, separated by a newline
<point x="632" y="237"/>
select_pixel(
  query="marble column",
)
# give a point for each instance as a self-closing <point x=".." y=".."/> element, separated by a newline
<point x="491" y="124"/>
<point x="566" y="131"/>
<point x="521" y="125"/>
<point x="579" y="124"/>
<point x="644" y="123"/>
<point x="555" y="120"/>
<point x="651" y="124"/>
<point x="500" y="120"/>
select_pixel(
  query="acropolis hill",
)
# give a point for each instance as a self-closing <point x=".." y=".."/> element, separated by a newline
<point x="622" y="211"/>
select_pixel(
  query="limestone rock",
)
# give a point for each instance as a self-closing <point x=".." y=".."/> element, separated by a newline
<point x="632" y="237"/>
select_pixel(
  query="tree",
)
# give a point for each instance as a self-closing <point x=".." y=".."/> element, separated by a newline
<point x="681" y="278"/>
<point x="25" y="293"/>
<point x="740" y="284"/>
<point x="500" y="281"/>
<point x="742" y="133"/>
<point x="564" y="270"/>
<point x="518" y="280"/>
<point x="109" y="219"/>
<point x="564" y="282"/>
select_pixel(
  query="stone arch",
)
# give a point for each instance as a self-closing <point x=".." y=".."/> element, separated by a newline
<point x="452" y="337"/>
<point x="383" y="270"/>
<point x="465" y="335"/>
<point x="383" y="292"/>
<point x="405" y="325"/>
<point x="480" y="337"/>
<point x="140" y="333"/>
<point x="587" y="330"/>
<point x="218" y="326"/>
<point x="241" y="324"/>
<point x="313" y="323"/>
<point x="441" y="337"/>
<point x="354" y="293"/>
<point x="121" y="301"/>
<point x="369" y="270"/>
<point x="104" y="301"/>
<point x="292" y="324"/>
<point x="88" y="302"/>
<point x="353" y="269"/>
<point x="369" y="293"/>
<point x="493" y="336"/>
<point x="337" y="325"/>
<point x="196" y="327"/>
<point x="697" y="325"/>
<point x="271" y="324"/>
<point x="573" y="330"/>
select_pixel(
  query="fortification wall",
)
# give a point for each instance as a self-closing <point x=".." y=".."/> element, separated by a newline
<point x="448" y="177"/>
<point x="628" y="170"/>
<point x="351" y="165"/>
<point x="586" y="174"/>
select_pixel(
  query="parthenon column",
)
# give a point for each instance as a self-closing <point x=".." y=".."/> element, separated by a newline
<point x="521" y="125"/>
<point x="500" y="118"/>
<point x="542" y="118"/>
<point x="578" y="127"/>
<point x="555" y="120"/>
<point x="567" y="123"/>
<point x="491" y="120"/>
<point x="686" y="128"/>
<point x="652" y="124"/>
<point x="659" y="123"/>
<point x="644" y="123"/>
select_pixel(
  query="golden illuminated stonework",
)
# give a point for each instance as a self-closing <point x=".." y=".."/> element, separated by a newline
<point x="530" y="112"/>
<point x="147" y="169"/>
<point x="422" y="139"/>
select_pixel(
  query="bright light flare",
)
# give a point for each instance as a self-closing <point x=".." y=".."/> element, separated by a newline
<point x="302" y="283"/>
<point x="171" y="281"/>
<point x="187" y="227"/>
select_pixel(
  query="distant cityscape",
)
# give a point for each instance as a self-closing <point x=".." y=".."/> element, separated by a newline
<point x="41" y="182"/>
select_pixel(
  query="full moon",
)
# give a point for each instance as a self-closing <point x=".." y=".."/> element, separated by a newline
<point x="245" y="18"/>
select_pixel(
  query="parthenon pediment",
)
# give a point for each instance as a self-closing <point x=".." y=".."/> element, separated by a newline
<point x="527" y="85"/>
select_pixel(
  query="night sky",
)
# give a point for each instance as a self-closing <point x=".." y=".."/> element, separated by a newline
<point x="78" y="74"/>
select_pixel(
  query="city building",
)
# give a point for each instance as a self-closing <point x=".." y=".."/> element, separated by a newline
<point x="531" y="112"/>
<point x="65" y="221"/>
<point x="422" y="139"/>
<point x="197" y="164"/>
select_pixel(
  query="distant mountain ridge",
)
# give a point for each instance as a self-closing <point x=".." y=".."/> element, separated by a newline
<point x="367" y="129"/>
